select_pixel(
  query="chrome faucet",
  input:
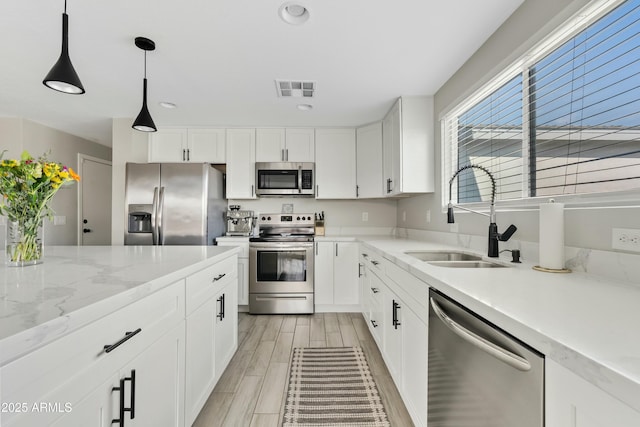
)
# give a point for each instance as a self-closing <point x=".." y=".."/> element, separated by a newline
<point x="494" y="236"/>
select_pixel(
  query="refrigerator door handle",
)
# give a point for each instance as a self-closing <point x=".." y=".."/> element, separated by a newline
<point x="154" y="217"/>
<point x="160" y="223"/>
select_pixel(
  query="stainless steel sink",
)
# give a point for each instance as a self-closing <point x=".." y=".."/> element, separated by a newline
<point x="447" y="256"/>
<point x="467" y="264"/>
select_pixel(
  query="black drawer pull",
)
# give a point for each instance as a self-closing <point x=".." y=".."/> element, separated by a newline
<point x="375" y="290"/>
<point x="374" y="262"/>
<point x="220" y="276"/>
<point x="127" y="336"/>
<point x="373" y="322"/>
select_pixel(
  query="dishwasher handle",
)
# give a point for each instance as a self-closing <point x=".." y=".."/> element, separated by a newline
<point x="487" y="346"/>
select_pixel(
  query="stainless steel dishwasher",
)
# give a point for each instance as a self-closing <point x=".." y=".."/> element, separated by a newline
<point x="480" y="376"/>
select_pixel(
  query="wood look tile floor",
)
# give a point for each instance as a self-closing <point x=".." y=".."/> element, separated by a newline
<point x="252" y="390"/>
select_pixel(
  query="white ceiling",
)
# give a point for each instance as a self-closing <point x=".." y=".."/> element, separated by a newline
<point x="218" y="59"/>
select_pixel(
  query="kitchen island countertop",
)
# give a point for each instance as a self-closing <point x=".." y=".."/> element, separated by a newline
<point x="76" y="285"/>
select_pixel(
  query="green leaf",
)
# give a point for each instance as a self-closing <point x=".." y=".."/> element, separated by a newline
<point x="25" y="155"/>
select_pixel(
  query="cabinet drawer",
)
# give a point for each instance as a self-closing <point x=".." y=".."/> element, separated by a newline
<point x="412" y="289"/>
<point x="81" y="356"/>
<point x="207" y="282"/>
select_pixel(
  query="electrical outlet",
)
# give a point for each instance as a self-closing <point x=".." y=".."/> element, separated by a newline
<point x="365" y="216"/>
<point x="59" y="220"/>
<point x="625" y="239"/>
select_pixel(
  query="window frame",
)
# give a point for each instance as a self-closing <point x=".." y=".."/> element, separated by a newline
<point x="523" y="65"/>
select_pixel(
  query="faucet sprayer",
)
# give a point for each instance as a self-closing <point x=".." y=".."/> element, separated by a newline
<point x="494" y="236"/>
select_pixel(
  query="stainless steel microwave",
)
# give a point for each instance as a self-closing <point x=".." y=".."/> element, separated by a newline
<point x="285" y="179"/>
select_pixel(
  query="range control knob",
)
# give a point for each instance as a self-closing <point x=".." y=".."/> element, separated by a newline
<point x="298" y="218"/>
<point x="309" y="218"/>
<point x="268" y="218"/>
<point x="263" y="218"/>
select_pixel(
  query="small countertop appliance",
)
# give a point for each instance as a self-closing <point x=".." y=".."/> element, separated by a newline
<point x="239" y="222"/>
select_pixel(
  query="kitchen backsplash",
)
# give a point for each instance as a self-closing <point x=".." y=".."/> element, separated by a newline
<point x="608" y="264"/>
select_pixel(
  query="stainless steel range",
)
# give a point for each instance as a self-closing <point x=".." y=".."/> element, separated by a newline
<point x="281" y="264"/>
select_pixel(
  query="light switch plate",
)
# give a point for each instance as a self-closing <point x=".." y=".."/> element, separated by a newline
<point x="626" y="239"/>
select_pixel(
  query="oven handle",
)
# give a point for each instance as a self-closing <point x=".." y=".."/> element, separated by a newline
<point x="269" y="247"/>
<point x="487" y="346"/>
<point x="280" y="297"/>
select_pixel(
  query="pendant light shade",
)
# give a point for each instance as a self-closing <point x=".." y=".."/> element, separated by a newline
<point x="63" y="76"/>
<point x="144" y="122"/>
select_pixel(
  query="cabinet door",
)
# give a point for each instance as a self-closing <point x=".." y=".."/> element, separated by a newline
<point x="570" y="401"/>
<point x="414" y="364"/>
<point x="392" y="327"/>
<point x="200" y="363"/>
<point x="270" y="145"/>
<point x="243" y="281"/>
<point x="98" y="408"/>
<point x="168" y="145"/>
<point x="323" y="273"/>
<point x="206" y="145"/>
<point x="226" y="327"/>
<point x="345" y="273"/>
<point x="300" y="145"/>
<point x="369" y="174"/>
<point x="376" y="318"/>
<point x="241" y="159"/>
<point x="365" y="288"/>
<point x="159" y="382"/>
<point x="335" y="164"/>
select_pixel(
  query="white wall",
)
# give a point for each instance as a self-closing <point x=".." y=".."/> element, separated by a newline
<point x="589" y="228"/>
<point x="338" y="213"/>
<point x="128" y="146"/>
<point x="17" y="134"/>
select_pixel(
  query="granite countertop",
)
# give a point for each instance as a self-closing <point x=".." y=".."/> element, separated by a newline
<point x="76" y="285"/>
<point x="586" y="323"/>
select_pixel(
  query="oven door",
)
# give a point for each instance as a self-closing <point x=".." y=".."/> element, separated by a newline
<point x="280" y="267"/>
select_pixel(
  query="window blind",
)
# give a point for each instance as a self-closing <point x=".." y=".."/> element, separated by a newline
<point x="585" y="109"/>
<point x="569" y="123"/>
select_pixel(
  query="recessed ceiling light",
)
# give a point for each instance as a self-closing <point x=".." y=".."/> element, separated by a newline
<point x="305" y="107"/>
<point x="293" y="13"/>
<point x="167" y="104"/>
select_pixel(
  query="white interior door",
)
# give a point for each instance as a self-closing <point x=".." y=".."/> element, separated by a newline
<point x="95" y="201"/>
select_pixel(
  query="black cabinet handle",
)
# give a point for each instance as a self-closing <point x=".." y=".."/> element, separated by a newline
<point x="373" y="322"/>
<point x="184" y="155"/>
<point x="224" y="304"/>
<point x="220" y="314"/>
<point x="357" y="191"/>
<point x="375" y="290"/>
<point x="127" y="336"/>
<point x="396" y="306"/>
<point x="220" y="276"/>
<point x="360" y="269"/>
<point x="131" y="409"/>
<point x="120" y="420"/>
<point x="374" y="262"/>
<point x="188" y="154"/>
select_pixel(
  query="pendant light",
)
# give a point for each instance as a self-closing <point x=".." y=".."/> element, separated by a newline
<point x="144" y="122"/>
<point x="62" y="76"/>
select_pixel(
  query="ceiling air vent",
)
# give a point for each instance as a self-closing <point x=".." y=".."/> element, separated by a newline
<point x="295" y="88"/>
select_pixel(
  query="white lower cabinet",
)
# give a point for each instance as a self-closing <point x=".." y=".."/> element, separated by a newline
<point x="336" y="278"/>
<point x="132" y="367"/>
<point x="398" y="322"/>
<point x="243" y="265"/>
<point x="570" y="401"/>
<point x="212" y="331"/>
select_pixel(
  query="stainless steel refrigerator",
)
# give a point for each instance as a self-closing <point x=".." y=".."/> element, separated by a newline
<point x="173" y="204"/>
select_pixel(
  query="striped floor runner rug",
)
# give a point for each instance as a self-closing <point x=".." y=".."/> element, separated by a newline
<point x="332" y="387"/>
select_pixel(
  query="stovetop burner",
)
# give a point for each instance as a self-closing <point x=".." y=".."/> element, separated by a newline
<point x="285" y="228"/>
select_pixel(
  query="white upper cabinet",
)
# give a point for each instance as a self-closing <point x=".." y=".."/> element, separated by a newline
<point x="187" y="145"/>
<point x="285" y="145"/>
<point x="241" y="163"/>
<point x="335" y="164"/>
<point x="369" y="161"/>
<point x="301" y="145"/>
<point x="207" y="145"/>
<point x="168" y="145"/>
<point x="408" y="141"/>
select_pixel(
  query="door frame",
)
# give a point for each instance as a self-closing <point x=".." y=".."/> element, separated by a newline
<point x="81" y="158"/>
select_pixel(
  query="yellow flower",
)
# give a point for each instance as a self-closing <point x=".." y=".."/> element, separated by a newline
<point x="10" y="163"/>
<point x="63" y="174"/>
<point x="47" y="170"/>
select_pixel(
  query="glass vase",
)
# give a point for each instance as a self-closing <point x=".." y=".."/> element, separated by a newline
<point x="24" y="242"/>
